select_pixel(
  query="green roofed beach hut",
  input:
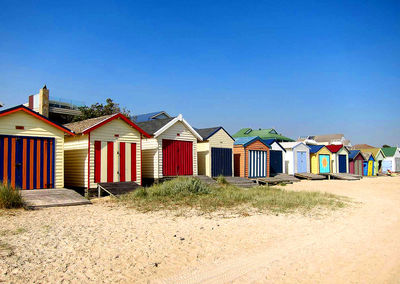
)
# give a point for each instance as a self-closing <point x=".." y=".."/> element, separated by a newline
<point x="392" y="160"/>
<point x="264" y="134"/>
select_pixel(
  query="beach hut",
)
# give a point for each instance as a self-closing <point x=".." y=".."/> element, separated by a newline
<point x="356" y="160"/>
<point x="297" y="157"/>
<point x="105" y="149"/>
<point x="340" y="158"/>
<point x="171" y="150"/>
<point x="251" y="157"/>
<point x="31" y="149"/>
<point x="215" y="152"/>
<point x="368" y="165"/>
<point x="320" y="157"/>
<point x="276" y="157"/>
<point x="379" y="156"/>
<point x="392" y="160"/>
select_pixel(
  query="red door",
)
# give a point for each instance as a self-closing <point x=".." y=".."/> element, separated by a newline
<point x="177" y="158"/>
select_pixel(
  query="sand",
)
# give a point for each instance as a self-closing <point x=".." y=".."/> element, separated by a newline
<point x="108" y="243"/>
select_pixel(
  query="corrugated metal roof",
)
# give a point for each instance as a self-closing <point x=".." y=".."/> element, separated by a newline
<point x="315" y="148"/>
<point x="265" y="134"/>
<point x="152" y="126"/>
<point x="207" y="132"/>
<point x="248" y="140"/>
<point x="389" y="151"/>
<point x="353" y="153"/>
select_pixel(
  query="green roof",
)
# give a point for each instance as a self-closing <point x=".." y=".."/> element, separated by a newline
<point x="265" y="134"/>
<point x="389" y="151"/>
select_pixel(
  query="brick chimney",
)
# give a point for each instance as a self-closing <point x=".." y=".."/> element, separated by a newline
<point x="44" y="101"/>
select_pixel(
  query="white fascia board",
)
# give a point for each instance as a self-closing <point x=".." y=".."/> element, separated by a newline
<point x="175" y="120"/>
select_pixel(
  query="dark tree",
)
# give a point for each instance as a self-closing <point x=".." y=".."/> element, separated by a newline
<point x="97" y="110"/>
<point x="386" y="146"/>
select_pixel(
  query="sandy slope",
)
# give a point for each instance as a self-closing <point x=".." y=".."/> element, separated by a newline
<point x="100" y="243"/>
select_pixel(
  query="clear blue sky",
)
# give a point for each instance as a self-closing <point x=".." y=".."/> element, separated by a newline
<point x="302" y="67"/>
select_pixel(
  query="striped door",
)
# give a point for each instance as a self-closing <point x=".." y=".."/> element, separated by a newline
<point x="358" y="167"/>
<point x="27" y="162"/>
<point x="114" y="161"/>
<point x="257" y="164"/>
<point x="396" y="165"/>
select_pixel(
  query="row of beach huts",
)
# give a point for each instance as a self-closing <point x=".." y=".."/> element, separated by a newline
<point x="37" y="153"/>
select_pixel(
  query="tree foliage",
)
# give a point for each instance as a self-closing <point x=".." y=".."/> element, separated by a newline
<point x="97" y="110"/>
<point x="386" y="146"/>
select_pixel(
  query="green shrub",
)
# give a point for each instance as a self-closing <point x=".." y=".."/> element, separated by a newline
<point x="10" y="197"/>
<point x="221" y="180"/>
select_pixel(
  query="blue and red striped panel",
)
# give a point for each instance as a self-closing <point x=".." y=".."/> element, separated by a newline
<point x="27" y="162"/>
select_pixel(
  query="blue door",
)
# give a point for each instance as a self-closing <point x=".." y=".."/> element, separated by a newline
<point x="365" y="168"/>
<point x="221" y="162"/>
<point x="275" y="158"/>
<point x="342" y="164"/>
<point x="301" y="161"/>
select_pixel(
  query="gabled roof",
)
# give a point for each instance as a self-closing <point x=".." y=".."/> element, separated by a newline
<point x="149" y="116"/>
<point x="206" y="133"/>
<point x="335" y="148"/>
<point x="37" y="115"/>
<point x="354" y="153"/>
<point x="245" y="141"/>
<point x="157" y="126"/>
<point x="368" y="156"/>
<point x="315" y="148"/>
<point x="291" y="145"/>
<point x="88" y="125"/>
<point x="269" y="133"/>
<point x="389" y="151"/>
<point x="374" y="151"/>
<point x="271" y="141"/>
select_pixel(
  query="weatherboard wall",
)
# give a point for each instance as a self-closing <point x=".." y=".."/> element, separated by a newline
<point x="220" y="139"/>
<point x="315" y="157"/>
<point x="241" y="161"/>
<point x="392" y="163"/>
<point x="335" y="160"/>
<point x="291" y="163"/>
<point x="153" y="156"/>
<point x="76" y="151"/>
<point x="34" y="127"/>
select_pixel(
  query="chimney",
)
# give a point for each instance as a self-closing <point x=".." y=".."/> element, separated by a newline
<point x="44" y="101"/>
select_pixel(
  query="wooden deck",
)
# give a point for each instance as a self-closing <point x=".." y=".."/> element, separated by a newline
<point x="309" y="176"/>
<point x="342" y="176"/>
<point x="277" y="179"/>
<point x="41" y="198"/>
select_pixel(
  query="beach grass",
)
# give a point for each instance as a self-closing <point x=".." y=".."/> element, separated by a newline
<point x="190" y="193"/>
<point x="10" y="197"/>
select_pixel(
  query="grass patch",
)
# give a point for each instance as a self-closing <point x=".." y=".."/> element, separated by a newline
<point x="189" y="193"/>
<point x="10" y="197"/>
<point x="222" y="180"/>
<point x="12" y="233"/>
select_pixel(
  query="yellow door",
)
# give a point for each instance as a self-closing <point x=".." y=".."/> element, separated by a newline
<point x="314" y="164"/>
<point x="370" y="167"/>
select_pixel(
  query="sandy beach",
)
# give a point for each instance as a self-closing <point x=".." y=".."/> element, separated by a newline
<point x="105" y="242"/>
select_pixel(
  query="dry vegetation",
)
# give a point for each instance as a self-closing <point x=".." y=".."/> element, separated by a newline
<point x="190" y="193"/>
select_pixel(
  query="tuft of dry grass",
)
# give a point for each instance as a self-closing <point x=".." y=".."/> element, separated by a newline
<point x="190" y="193"/>
<point x="10" y="197"/>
